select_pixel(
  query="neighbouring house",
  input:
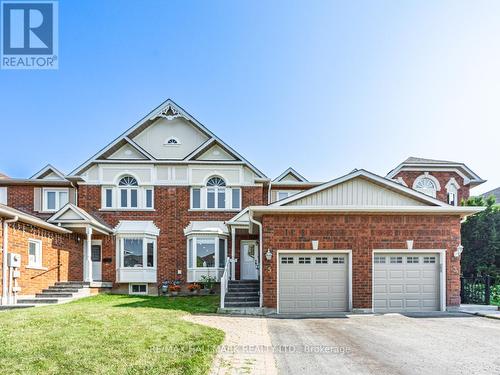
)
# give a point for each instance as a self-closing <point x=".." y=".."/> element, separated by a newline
<point x="495" y="193"/>
<point x="169" y="200"/>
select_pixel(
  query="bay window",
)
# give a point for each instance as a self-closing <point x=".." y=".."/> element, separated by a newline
<point x="127" y="195"/>
<point x="216" y="196"/>
<point x="138" y="252"/>
<point x="206" y="255"/>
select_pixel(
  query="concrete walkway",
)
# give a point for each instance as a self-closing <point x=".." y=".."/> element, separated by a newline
<point x="481" y="310"/>
<point x="247" y="347"/>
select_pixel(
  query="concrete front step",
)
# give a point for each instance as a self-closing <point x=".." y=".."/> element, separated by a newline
<point x="75" y="284"/>
<point x="37" y="300"/>
<point x="53" y="295"/>
<point x="243" y="282"/>
<point x="60" y="290"/>
<point x="241" y="299"/>
<point x="242" y="304"/>
<point x="243" y="290"/>
<point x="14" y="307"/>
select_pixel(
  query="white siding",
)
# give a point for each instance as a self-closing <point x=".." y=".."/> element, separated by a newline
<point x="357" y="192"/>
<point x="215" y="153"/>
<point x="127" y="152"/>
<point x="152" y="139"/>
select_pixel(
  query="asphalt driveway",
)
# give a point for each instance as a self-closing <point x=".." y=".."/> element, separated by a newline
<point x="387" y="344"/>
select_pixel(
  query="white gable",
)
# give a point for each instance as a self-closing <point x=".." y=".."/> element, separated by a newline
<point x="215" y="153"/>
<point x="357" y="192"/>
<point x="70" y="215"/>
<point x="290" y="177"/>
<point x="155" y="138"/>
<point x="127" y="151"/>
<point x="51" y="176"/>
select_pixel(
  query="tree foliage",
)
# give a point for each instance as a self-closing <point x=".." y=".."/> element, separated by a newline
<point x="481" y="239"/>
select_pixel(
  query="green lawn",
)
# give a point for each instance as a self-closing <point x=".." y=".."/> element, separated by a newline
<point x="109" y="334"/>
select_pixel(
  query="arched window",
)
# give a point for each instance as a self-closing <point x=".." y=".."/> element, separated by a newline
<point x="452" y="191"/>
<point x="216" y="181"/>
<point x="172" y="141"/>
<point x="426" y="184"/>
<point x="128" y="181"/>
<point x="216" y="192"/>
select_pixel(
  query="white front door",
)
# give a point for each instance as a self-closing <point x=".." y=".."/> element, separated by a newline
<point x="96" y="257"/>
<point x="249" y="255"/>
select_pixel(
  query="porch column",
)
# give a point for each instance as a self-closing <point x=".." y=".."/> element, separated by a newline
<point x="88" y="255"/>
<point x="233" y="246"/>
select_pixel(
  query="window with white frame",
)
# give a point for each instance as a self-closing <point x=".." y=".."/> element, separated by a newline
<point x="452" y="193"/>
<point x="128" y="195"/>
<point x="137" y="251"/>
<point x="426" y="184"/>
<point x="138" y="289"/>
<point x="34" y="253"/>
<point x="206" y="252"/>
<point x="283" y="195"/>
<point x="216" y="196"/>
<point x="54" y="199"/>
<point x="3" y="195"/>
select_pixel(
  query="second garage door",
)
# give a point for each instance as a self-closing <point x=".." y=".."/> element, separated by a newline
<point x="406" y="282"/>
<point x="313" y="283"/>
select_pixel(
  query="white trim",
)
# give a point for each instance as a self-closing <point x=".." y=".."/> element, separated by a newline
<point x="241" y="257"/>
<point x="438" y="167"/>
<point x="177" y="142"/>
<point x="315" y="252"/>
<point x="137" y="293"/>
<point x="38" y="254"/>
<point x="57" y="201"/>
<point x="45" y="169"/>
<point x="370" y="176"/>
<point x="205" y="270"/>
<point x="155" y="113"/>
<point x="442" y="270"/>
<point x="426" y="175"/>
<point x="293" y="172"/>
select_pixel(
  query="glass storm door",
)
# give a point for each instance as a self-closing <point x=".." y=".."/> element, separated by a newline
<point x="249" y="260"/>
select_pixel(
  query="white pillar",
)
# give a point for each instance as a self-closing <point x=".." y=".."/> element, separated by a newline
<point x="88" y="255"/>
<point x="233" y="246"/>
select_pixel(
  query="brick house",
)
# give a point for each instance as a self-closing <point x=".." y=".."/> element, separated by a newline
<point x="169" y="200"/>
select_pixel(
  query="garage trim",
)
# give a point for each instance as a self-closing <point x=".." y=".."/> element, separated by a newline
<point x="315" y="252"/>
<point x="442" y="271"/>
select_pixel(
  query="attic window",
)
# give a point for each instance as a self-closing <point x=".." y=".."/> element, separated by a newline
<point x="172" y="141"/>
<point x="427" y="184"/>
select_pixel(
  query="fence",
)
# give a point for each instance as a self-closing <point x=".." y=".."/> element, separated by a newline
<point x="476" y="290"/>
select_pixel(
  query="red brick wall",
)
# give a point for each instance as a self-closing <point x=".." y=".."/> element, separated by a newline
<point x="61" y="257"/>
<point x="171" y="215"/>
<point x="361" y="234"/>
<point x="409" y="178"/>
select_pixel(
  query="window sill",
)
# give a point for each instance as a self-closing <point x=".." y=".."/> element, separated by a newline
<point x="40" y="268"/>
<point x="215" y="209"/>
<point x="127" y="209"/>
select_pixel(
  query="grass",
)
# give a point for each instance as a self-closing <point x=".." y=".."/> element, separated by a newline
<point x="109" y="334"/>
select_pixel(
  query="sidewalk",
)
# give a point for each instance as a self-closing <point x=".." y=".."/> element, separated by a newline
<point x="481" y="310"/>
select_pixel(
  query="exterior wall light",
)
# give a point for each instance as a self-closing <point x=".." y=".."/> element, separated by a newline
<point x="269" y="254"/>
<point x="315" y="244"/>
<point x="459" y="250"/>
<point x="409" y="244"/>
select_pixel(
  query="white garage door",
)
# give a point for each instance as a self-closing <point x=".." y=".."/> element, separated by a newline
<point x="313" y="283"/>
<point x="406" y="282"/>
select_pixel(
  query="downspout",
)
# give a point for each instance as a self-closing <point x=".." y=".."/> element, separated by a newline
<point x="250" y="216"/>
<point x="269" y="193"/>
<point x="5" y="269"/>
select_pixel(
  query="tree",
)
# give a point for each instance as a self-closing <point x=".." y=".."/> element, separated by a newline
<point x="481" y="239"/>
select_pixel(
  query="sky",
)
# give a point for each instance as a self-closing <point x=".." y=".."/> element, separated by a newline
<point x="322" y="86"/>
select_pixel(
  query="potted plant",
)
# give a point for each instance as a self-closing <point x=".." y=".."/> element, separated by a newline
<point x="174" y="289"/>
<point x="208" y="283"/>
<point x="194" y="288"/>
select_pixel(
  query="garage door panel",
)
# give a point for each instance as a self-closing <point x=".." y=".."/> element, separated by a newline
<point x="411" y="285"/>
<point x="313" y="287"/>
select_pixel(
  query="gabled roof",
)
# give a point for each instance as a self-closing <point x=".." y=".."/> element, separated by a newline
<point x="137" y="226"/>
<point x="495" y="193"/>
<point x="206" y="146"/>
<point x="72" y="216"/>
<point x="206" y="227"/>
<point x="46" y="171"/>
<point x="3" y="176"/>
<point x="292" y="172"/>
<point x="372" y="177"/>
<point x="168" y="110"/>
<point x="9" y="212"/>
<point x="241" y="218"/>
<point x="415" y="163"/>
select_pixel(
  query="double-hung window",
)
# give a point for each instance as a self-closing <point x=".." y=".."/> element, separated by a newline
<point x="206" y="254"/>
<point x="127" y="195"/>
<point x="54" y="199"/>
<point x="216" y="196"/>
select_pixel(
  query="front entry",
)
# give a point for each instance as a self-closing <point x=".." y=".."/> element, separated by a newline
<point x="96" y="258"/>
<point x="249" y="255"/>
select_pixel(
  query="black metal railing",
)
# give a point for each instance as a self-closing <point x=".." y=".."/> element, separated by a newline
<point x="476" y="290"/>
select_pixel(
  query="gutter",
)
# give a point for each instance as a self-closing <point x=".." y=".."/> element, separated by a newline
<point x="5" y="270"/>
<point x="250" y="216"/>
